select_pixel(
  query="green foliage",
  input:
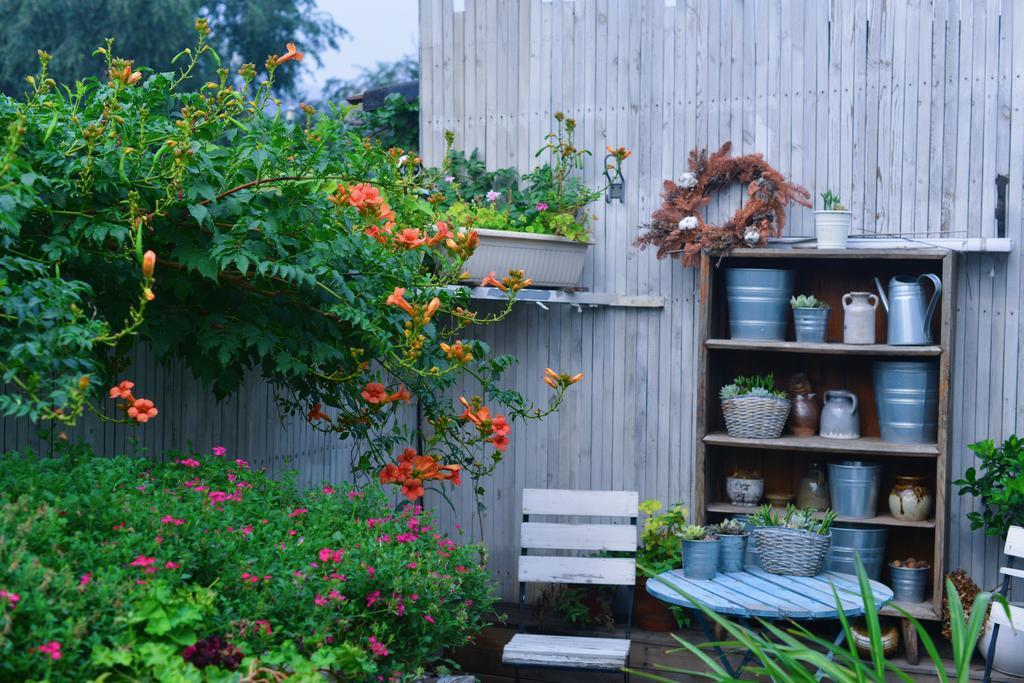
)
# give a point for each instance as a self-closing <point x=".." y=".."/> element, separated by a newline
<point x="793" y="653"/>
<point x="806" y="301"/>
<point x="998" y="483"/>
<point x="830" y="202"/>
<point x="695" y="532"/>
<point x="584" y="605"/>
<point x="127" y="563"/>
<point x="153" y="32"/>
<point x="395" y="124"/>
<point x="659" y="540"/>
<point x="302" y="253"/>
<point x="803" y="519"/>
<point x="755" y="385"/>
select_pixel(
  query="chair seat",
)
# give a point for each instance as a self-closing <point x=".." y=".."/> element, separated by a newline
<point x="527" y="649"/>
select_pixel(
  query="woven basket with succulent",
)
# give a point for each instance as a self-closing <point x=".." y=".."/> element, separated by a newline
<point x="753" y="408"/>
<point x="792" y="542"/>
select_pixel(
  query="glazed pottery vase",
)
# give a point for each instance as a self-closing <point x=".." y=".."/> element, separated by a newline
<point x="859" y="317"/>
<point x="812" y="491"/>
<point x="862" y="639"/>
<point x="744" y="492"/>
<point x="805" y="411"/>
<point x="910" y="499"/>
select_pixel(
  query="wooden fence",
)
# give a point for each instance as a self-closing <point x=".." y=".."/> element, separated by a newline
<point x="905" y="109"/>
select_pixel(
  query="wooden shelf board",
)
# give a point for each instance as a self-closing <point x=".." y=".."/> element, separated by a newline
<point x="884" y="520"/>
<point x="918" y="610"/>
<point x="824" y="349"/>
<point x="779" y="251"/>
<point x="868" y="445"/>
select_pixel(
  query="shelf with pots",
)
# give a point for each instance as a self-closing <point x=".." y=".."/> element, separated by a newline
<point x="877" y="330"/>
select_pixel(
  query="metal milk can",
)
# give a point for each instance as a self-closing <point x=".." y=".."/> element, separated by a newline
<point x="859" y="317"/>
<point x="910" y="321"/>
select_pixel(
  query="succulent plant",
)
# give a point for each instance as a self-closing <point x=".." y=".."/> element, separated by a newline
<point x="830" y="201"/>
<point x="802" y="519"/>
<point x="731" y="527"/>
<point x="806" y="301"/>
<point x="755" y="385"/>
<point x="693" y="532"/>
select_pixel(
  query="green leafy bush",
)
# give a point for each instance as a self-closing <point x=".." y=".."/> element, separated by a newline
<point x="659" y="539"/>
<point x="998" y="483"/>
<point x="149" y="570"/>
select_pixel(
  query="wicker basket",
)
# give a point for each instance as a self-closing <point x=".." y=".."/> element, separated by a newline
<point x="791" y="551"/>
<point x="755" y="417"/>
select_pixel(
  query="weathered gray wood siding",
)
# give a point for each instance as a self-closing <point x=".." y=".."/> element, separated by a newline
<point x="907" y="110"/>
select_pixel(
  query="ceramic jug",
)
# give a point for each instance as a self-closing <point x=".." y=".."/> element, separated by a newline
<point x="910" y="320"/>
<point x="839" y="416"/>
<point x="859" y="317"/>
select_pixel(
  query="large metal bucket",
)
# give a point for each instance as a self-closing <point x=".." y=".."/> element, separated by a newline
<point x="909" y="585"/>
<point x="700" y="559"/>
<point x="758" y="302"/>
<point x="849" y="542"/>
<point x="907" y="394"/>
<point x="853" y="488"/>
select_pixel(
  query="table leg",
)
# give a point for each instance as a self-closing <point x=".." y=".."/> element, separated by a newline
<point x="709" y="633"/>
<point x="909" y="641"/>
<point x="819" y="674"/>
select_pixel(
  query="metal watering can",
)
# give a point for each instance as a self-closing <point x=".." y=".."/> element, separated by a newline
<point x="910" y="321"/>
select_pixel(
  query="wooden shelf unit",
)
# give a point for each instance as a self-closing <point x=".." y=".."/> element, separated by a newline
<point x="833" y="365"/>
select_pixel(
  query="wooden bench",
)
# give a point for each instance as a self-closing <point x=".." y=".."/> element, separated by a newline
<point x="568" y="652"/>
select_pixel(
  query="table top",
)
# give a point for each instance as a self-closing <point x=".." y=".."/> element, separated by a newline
<point x="756" y="593"/>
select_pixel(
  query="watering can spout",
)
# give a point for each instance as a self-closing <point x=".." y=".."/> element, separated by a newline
<point x="881" y="295"/>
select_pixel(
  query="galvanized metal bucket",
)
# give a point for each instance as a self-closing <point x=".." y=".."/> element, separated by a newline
<point x="908" y="585"/>
<point x="850" y="542"/>
<point x="758" y="302"/>
<point x="810" y="324"/>
<point x="732" y="553"/>
<point x="907" y="394"/>
<point x="853" y="487"/>
<point x="700" y="559"/>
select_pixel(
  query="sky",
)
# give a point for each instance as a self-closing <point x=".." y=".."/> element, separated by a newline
<point x="379" y="31"/>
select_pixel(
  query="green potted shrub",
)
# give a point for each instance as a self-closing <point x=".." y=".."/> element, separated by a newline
<point x="538" y="223"/>
<point x="997" y="483"/>
<point x="658" y="552"/>
<point x="701" y="551"/>
<point x="753" y="408"/>
<point x="810" y="318"/>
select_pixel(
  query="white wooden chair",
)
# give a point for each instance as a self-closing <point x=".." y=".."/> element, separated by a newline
<point x="1013" y="549"/>
<point x="566" y="652"/>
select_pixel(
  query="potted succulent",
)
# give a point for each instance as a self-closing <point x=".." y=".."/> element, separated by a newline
<point x="810" y="318"/>
<point x="701" y="549"/>
<point x="744" y="488"/>
<point x="794" y="541"/>
<point x="537" y="223"/>
<point x="832" y="224"/>
<point x="658" y="552"/>
<point x="996" y="483"/>
<point x="753" y="408"/>
<point x="732" y="534"/>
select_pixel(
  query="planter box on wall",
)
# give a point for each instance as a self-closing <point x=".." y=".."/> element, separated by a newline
<point x="550" y="260"/>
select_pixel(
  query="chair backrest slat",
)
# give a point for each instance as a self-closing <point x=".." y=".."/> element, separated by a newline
<point x="1014" y="542"/>
<point x="611" y="571"/>
<point x="998" y="616"/>
<point x="550" y="536"/>
<point x="580" y="503"/>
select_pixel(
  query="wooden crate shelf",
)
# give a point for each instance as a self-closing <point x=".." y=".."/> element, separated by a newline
<point x="816" y="444"/>
<point x="919" y="610"/>
<point x="838" y="349"/>
<point x="883" y="520"/>
<point x="828" y="274"/>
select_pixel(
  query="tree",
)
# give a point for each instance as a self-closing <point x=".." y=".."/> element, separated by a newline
<point x="148" y="32"/>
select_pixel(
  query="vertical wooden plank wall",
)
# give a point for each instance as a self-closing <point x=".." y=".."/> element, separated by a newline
<point x="906" y="110"/>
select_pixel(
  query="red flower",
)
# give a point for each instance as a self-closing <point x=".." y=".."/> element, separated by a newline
<point x="317" y="414"/>
<point x="397" y="298"/>
<point x="375" y="393"/>
<point x="401" y="395"/>
<point x="489" y="281"/>
<point x="148" y="263"/>
<point x="410" y="238"/>
<point x="500" y="442"/>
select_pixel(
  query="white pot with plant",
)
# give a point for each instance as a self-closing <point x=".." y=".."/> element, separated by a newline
<point x="832" y="224"/>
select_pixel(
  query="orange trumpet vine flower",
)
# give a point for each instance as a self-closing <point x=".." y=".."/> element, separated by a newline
<point x="291" y="54"/>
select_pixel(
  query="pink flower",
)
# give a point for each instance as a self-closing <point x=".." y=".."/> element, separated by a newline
<point x="142" y="561"/>
<point x="371" y="571"/>
<point x="411" y="565"/>
<point x="51" y="649"/>
<point x="319" y="600"/>
<point x="219" y="451"/>
<point x="336" y="595"/>
<point x="428" y="618"/>
<point x="168" y="519"/>
<point x="493" y="196"/>
<point x="372" y="598"/>
<point x="378" y="648"/>
<point x="542" y="206"/>
<point x="188" y="462"/>
<point x="171" y="565"/>
<point x="12" y="598"/>
<point x="339" y="554"/>
<point x="242" y="463"/>
<point x="328" y="490"/>
<point x="297" y="511"/>
<point x="355" y="494"/>
<point x="85" y="580"/>
<point x="325" y="554"/>
<point x="246" y="530"/>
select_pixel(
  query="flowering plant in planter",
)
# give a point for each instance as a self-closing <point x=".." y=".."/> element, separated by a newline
<point x="200" y="566"/>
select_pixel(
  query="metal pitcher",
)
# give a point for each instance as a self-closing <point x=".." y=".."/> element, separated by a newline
<point x="910" y="321"/>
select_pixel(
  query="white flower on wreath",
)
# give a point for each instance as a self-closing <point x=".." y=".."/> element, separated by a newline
<point x="688" y="181"/>
<point x="688" y="223"/>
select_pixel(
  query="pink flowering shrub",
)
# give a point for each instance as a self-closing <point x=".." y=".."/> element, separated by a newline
<point x="199" y="566"/>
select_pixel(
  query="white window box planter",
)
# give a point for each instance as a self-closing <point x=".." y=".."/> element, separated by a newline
<point x="549" y="260"/>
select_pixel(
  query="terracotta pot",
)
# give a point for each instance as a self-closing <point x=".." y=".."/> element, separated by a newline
<point x="910" y="499"/>
<point x="649" y="613"/>
<point x="804" y="415"/>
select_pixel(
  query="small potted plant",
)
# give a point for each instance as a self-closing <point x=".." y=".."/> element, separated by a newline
<point x="832" y="223"/>
<point x="733" y="536"/>
<point x="658" y="552"/>
<point x="794" y="541"/>
<point x="701" y="552"/>
<point x="744" y="488"/>
<point x="753" y="408"/>
<point x="810" y="318"/>
<point x="996" y="483"/>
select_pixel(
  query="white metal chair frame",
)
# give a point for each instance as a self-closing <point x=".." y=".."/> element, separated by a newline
<point x="1013" y="548"/>
<point x="559" y="503"/>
